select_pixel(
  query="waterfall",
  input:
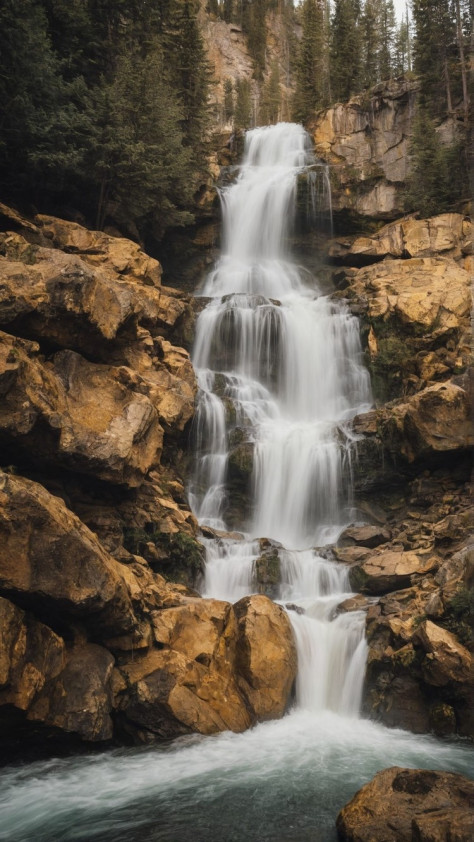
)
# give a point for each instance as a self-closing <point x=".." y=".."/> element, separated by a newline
<point x="279" y="369"/>
<point x="280" y="372"/>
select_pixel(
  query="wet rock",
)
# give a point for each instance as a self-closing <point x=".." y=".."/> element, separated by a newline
<point x="390" y="570"/>
<point x="268" y="573"/>
<point x="433" y="421"/>
<point x="30" y="655"/>
<point x="214" y="671"/>
<point x="266" y="655"/>
<point x="53" y="563"/>
<point x="78" y="700"/>
<point x="442" y="720"/>
<point x="366" y="536"/>
<point x="446" y="660"/>
<point x="354" y="603"/>
<point x="410" y="805"/>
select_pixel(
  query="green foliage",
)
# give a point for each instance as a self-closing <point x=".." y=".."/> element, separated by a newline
<point x="138" y="158"/>
<point x="389" y="365"/>
<point x="104" y="109"/>
<point x="228" y="100"/>
<point x="434" y="34"/>
<point x="459" y="616"/>
<point x="438" y="174"/>
<point x="311" y="69"/>
<point x="346" y="44"/>
<point x="271" y="97"/>
<point x="181" y="557"/>
<point x="243" y="105"/>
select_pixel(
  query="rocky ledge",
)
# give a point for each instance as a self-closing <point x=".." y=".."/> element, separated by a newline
<point x="413" y="560"/>
<point x="102" y="636"/>
<point x="410" y="805"/>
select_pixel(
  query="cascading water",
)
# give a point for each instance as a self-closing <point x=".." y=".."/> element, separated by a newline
<point x="279" y="364"/>
<point x="279" y="368"/>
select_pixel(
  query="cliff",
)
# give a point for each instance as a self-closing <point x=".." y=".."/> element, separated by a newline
<point x="102" y="635"/>
<point x="414" y="558"/>
<point x="366" y="143"/>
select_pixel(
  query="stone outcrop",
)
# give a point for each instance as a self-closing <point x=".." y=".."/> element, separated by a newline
<point x="366" y="142"/>
<point x="449" y="234"/>
<point x="410" y="286"/>
<point x="410" y="805"/>
<point x="215" y="671"/>
<point x="102" y="636"/>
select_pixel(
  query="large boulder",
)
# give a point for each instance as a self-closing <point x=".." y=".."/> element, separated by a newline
<point x="266" y="655"/>
<point x="449" y="234"/>
<point x="78" y="700"/>
<point x="390" y="570"/>
<point x="30" y="655"/>
<point x="219" y="668"/>
<point x="410" y="805"/>
<point x="424" y="295"/>
<point x="436" y="420"/>
<point x="54" y="564"/>
<point x="122" y="256"/>
<point x="53" y="411"/>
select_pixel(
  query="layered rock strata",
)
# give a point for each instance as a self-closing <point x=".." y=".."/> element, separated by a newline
<point x="102" y="636"/>
<point x="410" y="286"/>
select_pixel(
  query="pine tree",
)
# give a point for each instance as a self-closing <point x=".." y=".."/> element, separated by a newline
<point x="387" y="38"/>
<point x="402" y="52"/>
<point x="243" y="105"/>
<point x="271" y="99"/>
<point x="257" y="36"/>
<point x="137" y="157"/>
<point x="427" y="184"/>
<point x="370" y="37"/>
<point x="228" y="100"/>
<point x="435" y="32"/>
<point x="345" y="58"/>
<point x="309" y="68"/>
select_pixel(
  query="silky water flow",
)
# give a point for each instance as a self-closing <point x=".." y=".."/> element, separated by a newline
<point x="279" y="370"/>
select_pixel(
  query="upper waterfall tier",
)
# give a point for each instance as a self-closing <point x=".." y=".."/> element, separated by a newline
<point x="279" y="364"/>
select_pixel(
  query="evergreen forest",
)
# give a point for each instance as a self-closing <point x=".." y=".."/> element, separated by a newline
<point x="106" y="103"/>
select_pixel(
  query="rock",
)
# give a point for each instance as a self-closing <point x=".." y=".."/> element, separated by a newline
<point x="389" y="570"/>
<point x="53" y="563"/>
<point x="446" y="660"/>
<point x="354" y="603"/>
<point x="266" y="655"/>
<point x="410" y="805"/>
<point x="78" y="700"/>
<point x="366" y="143"/>
<point x="424" y="294"/>
<point x="366" y="536"/>
<point x="30" y="655"/>
<point x="448" y="234"/>
<point x="52" y="411"/>
<point x="268" y="573"/>
<point x="435" y="420"/>
<point x="212" y="672"/>
<point x="116" y="253"/>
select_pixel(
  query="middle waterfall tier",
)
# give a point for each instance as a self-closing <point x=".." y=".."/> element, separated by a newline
<point x="279" y="367"/>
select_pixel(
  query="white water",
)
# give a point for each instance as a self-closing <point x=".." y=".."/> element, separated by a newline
<point x="291" y="374"/>
<point x="281" y="363"/>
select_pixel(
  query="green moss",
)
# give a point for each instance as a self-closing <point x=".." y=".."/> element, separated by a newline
<point x="180" y="556"/>
<point x="459" y="615"/>
<point x="393" y="360"/>
<point x="358" y="579"/>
